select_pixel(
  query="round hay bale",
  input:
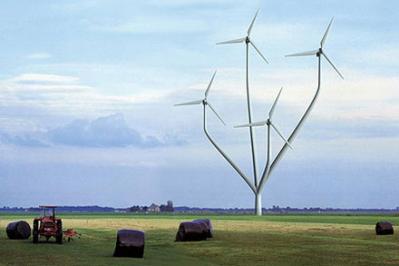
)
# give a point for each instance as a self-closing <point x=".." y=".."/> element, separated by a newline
<point x="204" y="227"/>
<point x="384" y="228"/>
<point x="18" y="230"/>
<point x="209" y="228"/>
<point x="191" y="231"/>
<point x="129" y="243"/>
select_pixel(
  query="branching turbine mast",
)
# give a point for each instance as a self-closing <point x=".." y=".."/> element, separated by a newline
<point x="255" y="184"/>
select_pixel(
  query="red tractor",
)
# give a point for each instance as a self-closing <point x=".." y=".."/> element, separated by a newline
<point x="47" y="226"/>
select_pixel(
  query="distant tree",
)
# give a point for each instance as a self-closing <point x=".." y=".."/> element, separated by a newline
<point x="168" y="207"/>
<point x="134" y="208"/>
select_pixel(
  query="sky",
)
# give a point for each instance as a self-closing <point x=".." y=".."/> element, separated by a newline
<point x="87" y="91"/>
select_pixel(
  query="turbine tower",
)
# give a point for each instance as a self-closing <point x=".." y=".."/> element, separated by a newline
<point x="273" y="163"/>
<point x="248" y="41"/>
<point x="257" y="185"/>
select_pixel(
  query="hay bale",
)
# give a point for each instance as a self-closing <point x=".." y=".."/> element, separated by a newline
<point x="208" y="224"/>
<point x="384" y="228"/>
<point x="129" y="243"/>
<point x="18" y="230"/>
<point x="204" y="227"/>
<point x="191" y="231"/>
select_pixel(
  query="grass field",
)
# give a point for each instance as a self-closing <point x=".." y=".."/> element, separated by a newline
<point x="239" y="240"/>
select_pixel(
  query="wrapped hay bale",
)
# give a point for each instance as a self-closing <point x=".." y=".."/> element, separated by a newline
<point x="204" y="227"/>
<point x="18" y="230"/>
<point x="208" y="224"/>
<point x="129" y="243"/>
<point x="191" y="231"/>
<point x="384" y="228"/>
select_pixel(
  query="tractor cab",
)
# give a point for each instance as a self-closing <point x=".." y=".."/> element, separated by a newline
<point x="48" y="213"/>
<point x="47" y="226"/>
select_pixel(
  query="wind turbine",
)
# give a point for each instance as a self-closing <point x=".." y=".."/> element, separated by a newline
<point x="268" y="122"/>
<point x="255" y="186"/>
<point x="248" y="41"/>
<point x="204" y="101"/>
<point x="320" y="51"/>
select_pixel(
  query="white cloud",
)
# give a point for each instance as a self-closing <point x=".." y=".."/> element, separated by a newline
<point x="360" y="95"/>
<point x="107" y="131"/>
<point x="39" y="86"/>
<point x="66" y="94"/>
<point x="149" y="25"/>
<point x="17" y="125"/>
<point x="43" y="78"/>
<point x="180" y="3"/>
<point x="385" y="55"/>
<point x="39" y="56"/>
<point x="273" y="32"/>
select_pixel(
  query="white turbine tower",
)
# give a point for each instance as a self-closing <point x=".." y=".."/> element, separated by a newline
<point x="319" y="52"/>
<point x="248" y="41"/>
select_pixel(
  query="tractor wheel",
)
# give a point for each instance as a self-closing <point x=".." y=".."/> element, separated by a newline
<point x="59" y="232"/>
<point x="35" y="231"/>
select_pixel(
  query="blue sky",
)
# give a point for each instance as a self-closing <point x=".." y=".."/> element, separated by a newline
<point x="87" y="91"/>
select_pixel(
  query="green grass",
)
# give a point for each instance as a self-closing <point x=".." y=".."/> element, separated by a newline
<point x="239" y="240"/>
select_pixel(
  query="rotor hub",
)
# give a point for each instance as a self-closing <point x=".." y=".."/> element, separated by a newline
<point x="319" y="52"/>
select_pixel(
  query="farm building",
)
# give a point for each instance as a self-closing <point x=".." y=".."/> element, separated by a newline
<point x="153" y="208"/>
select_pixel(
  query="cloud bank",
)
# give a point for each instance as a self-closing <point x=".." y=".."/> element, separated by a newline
<point x="105" y="132"/>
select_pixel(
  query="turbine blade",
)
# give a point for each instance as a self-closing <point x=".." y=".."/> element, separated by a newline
<point x="333" y="65"/>
<point x="189" y="103"/>
<point x="210" y="106"/>
<point x="326" y="33"/>
<point x="210" y="84"/>
<point x="307" y="53"/>
<point x="274" y="104"/>
<point x="232" y="41"/>
<point x="281" y="135"/>
<point x="255" y="124"/>
<point x="252" y="23"/>
<point x="257" y="50"/>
